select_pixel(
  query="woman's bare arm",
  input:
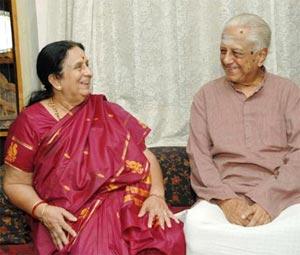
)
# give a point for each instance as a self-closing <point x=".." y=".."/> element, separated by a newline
<point x="18" y="187"/>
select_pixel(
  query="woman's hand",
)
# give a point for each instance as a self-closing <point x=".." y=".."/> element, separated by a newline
<point x="158" y="210"/>
<point x="54" y="218"/>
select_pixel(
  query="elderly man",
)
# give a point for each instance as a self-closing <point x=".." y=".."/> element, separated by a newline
<point x="244" y="148"/>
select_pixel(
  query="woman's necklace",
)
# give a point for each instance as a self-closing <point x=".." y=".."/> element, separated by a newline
<point x="53" y="107"/>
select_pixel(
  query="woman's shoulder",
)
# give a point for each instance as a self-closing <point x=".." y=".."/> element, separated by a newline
<point x="100" y="98"/>
<point x="34" y="119"/>
<point x="109" y="106"/>
<point x="32" y="112"/>
<point x="97" y="97"/>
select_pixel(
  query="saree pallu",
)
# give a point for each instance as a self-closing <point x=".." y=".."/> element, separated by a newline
<point x="92" y="164"/>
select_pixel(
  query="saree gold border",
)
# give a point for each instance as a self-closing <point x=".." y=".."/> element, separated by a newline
<point x="100" y="175"/>
<point x="120" y="171"/>
<point x="66" y="155"/>
<point x="87" y="219"/>
<point x="16" y="168"/>
<point x="147" y="179"/>
<point x="124" y="154"/>
<point x="112" y="186"/>
<point x="138" y="191"/>
<point x="84" y="213"/>
<point x="128" y="137"/>
<point x="27" y="146"/>
<point x="143" y="125"/>
<point x="67" y="188"/>
<point x="136" y="201"/>
<point x="54" y="136"/>
<point x="147" y="166"/>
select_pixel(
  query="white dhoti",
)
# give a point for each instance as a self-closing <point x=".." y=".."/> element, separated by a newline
<point x="208" y="232"/>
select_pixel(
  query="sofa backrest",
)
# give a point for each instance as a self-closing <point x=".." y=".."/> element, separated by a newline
<point x="176" y="170"/>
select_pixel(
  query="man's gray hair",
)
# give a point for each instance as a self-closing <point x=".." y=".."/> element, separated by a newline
<point x="260" y="32"/>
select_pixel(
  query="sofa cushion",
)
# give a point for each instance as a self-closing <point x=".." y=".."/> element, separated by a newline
<point x="17" y="249"/>
<point x="13" y="226"/>
<point x="176" y="171"/>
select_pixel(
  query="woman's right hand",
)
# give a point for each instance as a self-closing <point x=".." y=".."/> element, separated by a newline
<point x="54" y="218"/>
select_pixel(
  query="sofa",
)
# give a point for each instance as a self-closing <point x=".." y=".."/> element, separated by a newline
<point x="15" y="233"/>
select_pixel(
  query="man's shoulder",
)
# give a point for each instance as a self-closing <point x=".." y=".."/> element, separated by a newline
<point x="215" y="84"/>
<point x="281" y="82"/>
<point x="212" y="86"/>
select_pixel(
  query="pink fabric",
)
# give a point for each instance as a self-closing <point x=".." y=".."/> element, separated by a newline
<point x="247" y="146"/>
<point x="92" y="163"/>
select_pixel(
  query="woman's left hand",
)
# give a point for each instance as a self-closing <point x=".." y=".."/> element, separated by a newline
<point x="158" y="210"/>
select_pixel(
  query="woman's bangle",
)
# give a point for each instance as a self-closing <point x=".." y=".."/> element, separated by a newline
<point x="156" y="195"/>
<point x="36" y="206"/>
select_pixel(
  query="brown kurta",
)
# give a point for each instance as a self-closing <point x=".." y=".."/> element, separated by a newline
<point x="247" y="146"/>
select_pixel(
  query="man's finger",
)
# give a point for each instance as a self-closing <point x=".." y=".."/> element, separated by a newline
<point x="246" y="215"/>
<point x="254" y="221"/>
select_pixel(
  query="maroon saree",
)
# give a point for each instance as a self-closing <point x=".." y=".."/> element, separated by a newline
<point x="92" y="164"/>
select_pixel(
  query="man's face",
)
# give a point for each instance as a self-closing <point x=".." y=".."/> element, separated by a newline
<point x="239" y="59"/>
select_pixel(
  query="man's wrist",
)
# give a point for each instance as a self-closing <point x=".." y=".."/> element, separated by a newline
<point x="219" y="202"/>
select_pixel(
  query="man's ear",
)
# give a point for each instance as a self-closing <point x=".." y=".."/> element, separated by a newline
<point x="55" y="81"/>
<point x="262" y="55"/>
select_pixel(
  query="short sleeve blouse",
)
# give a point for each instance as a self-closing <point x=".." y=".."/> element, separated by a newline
<point x="25" y="135"/>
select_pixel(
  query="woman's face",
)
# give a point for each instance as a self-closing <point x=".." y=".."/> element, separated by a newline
<point x="76" y="76"/>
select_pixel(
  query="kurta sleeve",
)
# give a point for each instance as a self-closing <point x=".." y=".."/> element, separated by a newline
<point x="205" y="177"/>
<point x="21" y="144"/>
<point x="283" y="188"/>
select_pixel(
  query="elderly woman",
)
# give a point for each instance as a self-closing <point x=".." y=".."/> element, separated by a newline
<point x="79" y="166"/>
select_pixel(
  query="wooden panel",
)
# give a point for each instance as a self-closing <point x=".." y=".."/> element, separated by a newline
<point x="17" y="53"/>
<point x="3" y="133"/>
<point x="11" y="89"/>
<point x="7" y="58"/>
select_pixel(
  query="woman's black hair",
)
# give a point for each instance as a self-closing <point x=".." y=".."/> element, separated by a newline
<point x="50" y="61"/>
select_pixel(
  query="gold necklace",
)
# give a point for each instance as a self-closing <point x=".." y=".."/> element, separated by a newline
<point x="53" y="106"/>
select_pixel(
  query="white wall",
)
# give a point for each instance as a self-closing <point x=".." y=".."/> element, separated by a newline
<point x="28" y="43"/>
